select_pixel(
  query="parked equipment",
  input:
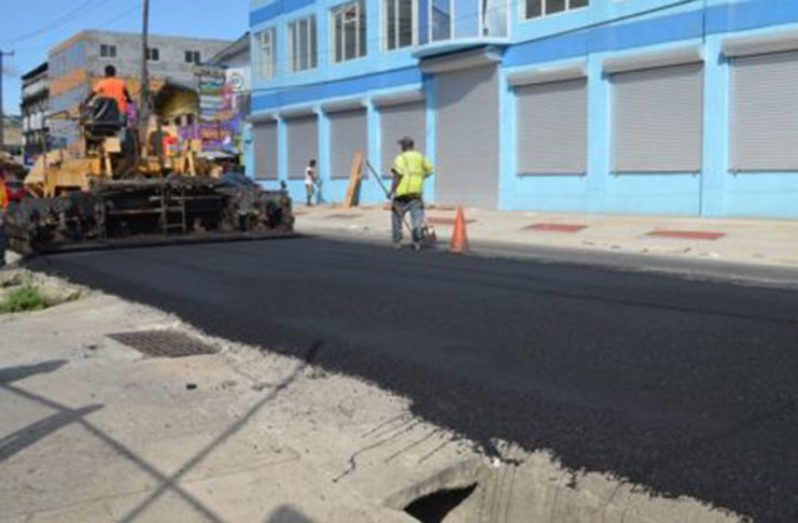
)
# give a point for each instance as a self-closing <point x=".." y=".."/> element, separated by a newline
<point x="110" y="191"/>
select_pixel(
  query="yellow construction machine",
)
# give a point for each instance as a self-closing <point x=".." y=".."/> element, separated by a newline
<point x="108" y="189"/>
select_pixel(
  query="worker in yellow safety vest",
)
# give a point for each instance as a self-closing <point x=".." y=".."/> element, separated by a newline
<point x="409" y="169"/>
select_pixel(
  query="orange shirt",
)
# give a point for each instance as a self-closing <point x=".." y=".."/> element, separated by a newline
<point x="113" y="88"/>
<point x="3" y="195"/>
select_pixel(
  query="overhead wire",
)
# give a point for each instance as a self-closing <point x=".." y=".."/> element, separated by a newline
<point x="76" y="13"/>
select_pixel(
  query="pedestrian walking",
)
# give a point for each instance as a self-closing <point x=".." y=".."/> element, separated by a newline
<point x="310" y="181"/>
<point x="410" y="168"/>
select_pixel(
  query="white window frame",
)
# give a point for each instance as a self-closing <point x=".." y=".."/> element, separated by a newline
<point x="430" y="25"/>
<point x="544" y="14"/>
<point x="361" y="47"/>
<point x="110" y="51"/>
<point x="293" y="42"/>
<point x="266" y="44"/>
<point x="413" y="22"/>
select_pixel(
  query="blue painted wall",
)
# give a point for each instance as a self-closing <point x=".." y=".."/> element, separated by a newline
<point x="605" y="29"/>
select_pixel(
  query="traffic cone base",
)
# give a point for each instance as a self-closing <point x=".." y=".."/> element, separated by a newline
<point x="459" y="243"/>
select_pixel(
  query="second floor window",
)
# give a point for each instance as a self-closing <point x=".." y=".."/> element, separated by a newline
<point x="302" y="44"/>
<point x="108" y="51"/>
<point x="536" y="8"/>
<point x="399" y="23"/>
<point x="348" y="31"/>
<point x="153" y="54"/>
<point x="266" y="53"/>
<point x="192" y="57"/>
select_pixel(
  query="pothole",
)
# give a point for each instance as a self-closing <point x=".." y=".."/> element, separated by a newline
<point x="434" y="507"/>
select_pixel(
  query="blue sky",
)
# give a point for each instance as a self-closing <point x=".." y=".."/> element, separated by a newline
<point x="31" y="27"/>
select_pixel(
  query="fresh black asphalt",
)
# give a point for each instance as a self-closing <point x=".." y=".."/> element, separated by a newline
<point x="686" y="387"/>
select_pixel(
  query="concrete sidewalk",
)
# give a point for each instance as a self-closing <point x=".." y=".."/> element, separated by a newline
<point x="766" y="243"/>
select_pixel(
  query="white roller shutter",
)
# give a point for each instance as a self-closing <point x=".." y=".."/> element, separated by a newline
<point x="551" y="119"/>
<point x="265" y="150"/>
<point x="467" y="136"/>
<point x="657" y="119"/>
<point x="347" y="134"/>
<point x="303" y="144"/>
<point x="397" y="121"/>
<point x="764" y="112"/>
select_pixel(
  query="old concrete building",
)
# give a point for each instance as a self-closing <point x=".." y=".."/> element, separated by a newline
<point x="76" y="63"/>
<point x="35" y="102"/>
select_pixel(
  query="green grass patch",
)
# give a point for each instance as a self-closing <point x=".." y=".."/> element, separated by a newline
<point x="27" y="298"/>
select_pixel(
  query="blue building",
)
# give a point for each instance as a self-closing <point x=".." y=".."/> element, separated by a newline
<point x="684" y="107"/>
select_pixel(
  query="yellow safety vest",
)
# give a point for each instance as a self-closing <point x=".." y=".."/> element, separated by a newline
<point x="413" y="169"/>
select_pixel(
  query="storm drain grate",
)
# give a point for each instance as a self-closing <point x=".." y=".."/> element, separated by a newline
<point x="163" y="343"/>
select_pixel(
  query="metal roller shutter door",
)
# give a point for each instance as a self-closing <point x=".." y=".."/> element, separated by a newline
<point x="467" y="136"/>
<point x="658" y="120"/>
<point x="265" y="151"/>
<point x="552" y="128"/>
<point x="303" y="144"/>
<point x="397" y="121"/>
<point x="347" y="135"/>
<point x="764" y="112"/>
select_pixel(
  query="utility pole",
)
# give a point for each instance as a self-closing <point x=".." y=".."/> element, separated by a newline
<point x="2" y="117"/>
<point x="144" y="100"/>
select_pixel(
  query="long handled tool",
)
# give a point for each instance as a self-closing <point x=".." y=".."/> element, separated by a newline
<point x="427" y="232"/>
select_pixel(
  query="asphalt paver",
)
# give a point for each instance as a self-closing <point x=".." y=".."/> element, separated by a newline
<point x="682" y="386"/>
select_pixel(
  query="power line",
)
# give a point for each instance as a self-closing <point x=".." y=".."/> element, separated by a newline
<point x="82" y="8"/>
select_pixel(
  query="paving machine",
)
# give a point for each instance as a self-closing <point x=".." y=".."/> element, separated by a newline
<point x="109" y="190"/>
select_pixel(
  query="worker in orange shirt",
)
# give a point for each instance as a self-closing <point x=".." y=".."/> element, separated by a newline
<point x="3" y="205"/>
<point x="114" y="88"/>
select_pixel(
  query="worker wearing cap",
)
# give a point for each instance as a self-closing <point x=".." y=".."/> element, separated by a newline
<point x="410" y="169"/>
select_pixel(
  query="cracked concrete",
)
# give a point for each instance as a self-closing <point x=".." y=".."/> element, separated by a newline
<point x="93" y="431"/>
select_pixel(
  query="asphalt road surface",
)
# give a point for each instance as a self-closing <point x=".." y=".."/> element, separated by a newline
<point x="686" y="387"/>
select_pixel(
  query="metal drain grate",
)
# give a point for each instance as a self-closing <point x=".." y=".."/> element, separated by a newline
<point x="163" y="343"/>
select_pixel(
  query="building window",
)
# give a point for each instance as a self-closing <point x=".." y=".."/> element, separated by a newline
<point x="153" y="54"/>
<point x="267" y="53"/>
<point x="536" y="8"/>
<point x="193" y="57"/>
<point x="302" y="44"/>
<point x="107" y="51"/>
<point x="349" y="31"/>
<point x="399" y="23"/>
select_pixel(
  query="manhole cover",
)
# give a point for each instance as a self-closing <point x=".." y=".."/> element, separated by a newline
<point x="163" y="343"/>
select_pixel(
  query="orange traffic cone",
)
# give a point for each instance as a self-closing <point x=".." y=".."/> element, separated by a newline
<point x="459" y="243"/>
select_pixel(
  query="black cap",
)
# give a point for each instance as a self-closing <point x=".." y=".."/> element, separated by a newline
<point x="406" y="140"/>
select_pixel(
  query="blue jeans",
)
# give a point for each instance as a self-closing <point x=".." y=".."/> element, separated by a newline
<point x="401" y="206"/>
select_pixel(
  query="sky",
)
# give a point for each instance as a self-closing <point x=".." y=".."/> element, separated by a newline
<point x="31" y="27"/>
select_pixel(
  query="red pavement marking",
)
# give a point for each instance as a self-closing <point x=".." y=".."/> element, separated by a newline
<point x="343" y="216"/>
<point x="556" y="227"/>
<point x="299" y="213"/>
<point x="687" y="235"/>
<point x="445" y="221"/>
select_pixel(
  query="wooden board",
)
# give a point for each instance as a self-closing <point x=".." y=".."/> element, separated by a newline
<point x="355" y="175"/>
